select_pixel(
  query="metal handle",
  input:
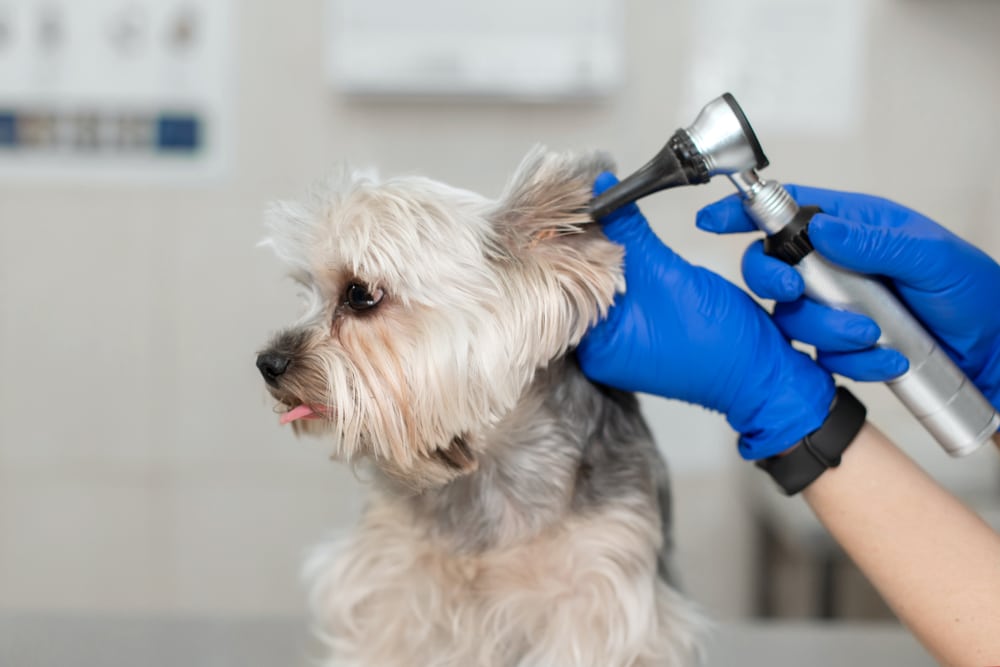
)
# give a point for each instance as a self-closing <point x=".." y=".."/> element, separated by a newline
<point x="934" y="389"/>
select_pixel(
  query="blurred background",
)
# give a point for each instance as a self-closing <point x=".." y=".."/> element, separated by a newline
<point x="142" y="469"/>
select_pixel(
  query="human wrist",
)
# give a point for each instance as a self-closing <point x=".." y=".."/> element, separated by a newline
<point x="796" y="468"/>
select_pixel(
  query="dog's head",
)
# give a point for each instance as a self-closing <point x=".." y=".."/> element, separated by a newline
<point x="431" y="308"/>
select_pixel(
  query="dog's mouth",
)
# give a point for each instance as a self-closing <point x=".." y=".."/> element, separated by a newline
<point x="300" y="412"/>
<point x="303" y="412"/>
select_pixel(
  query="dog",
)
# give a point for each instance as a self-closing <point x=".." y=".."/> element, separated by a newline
<point x="519" y="514"/>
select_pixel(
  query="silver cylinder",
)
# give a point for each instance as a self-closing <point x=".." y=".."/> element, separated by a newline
<point x="933" y="389"/>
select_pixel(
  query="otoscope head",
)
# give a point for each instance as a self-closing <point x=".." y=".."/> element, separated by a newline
<point x="720" y="141"/>
<point x="724" y="139"/>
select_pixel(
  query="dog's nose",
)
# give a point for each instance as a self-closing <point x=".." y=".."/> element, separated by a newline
<point x="272" y="366"/>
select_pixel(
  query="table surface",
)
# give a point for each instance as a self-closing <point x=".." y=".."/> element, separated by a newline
<point x="58" y="640"/>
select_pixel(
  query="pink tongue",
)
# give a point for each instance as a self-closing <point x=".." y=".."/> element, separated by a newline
<point x="299" y="412"/>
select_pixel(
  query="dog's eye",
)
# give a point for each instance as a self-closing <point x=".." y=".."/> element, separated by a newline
<point x="359" y="296"/>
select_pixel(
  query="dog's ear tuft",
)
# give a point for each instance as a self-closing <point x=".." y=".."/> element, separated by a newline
<point x="547" y="196"/>
<point x="565" y="258"/>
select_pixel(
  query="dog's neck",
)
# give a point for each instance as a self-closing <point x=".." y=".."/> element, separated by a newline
<point x="533" y="466"/>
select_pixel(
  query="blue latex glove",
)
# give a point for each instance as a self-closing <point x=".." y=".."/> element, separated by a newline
<point x="951" y="286"/>
<point x="681" y="331"/>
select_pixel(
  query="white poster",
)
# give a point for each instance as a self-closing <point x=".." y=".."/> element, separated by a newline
<point x="520" y="49"/>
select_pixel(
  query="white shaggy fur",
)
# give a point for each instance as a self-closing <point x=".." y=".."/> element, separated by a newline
<point x="585" y="594"/>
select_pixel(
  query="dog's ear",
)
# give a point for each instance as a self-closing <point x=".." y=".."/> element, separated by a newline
<point x="561" y="253"/>
<point x="547" y="196"/>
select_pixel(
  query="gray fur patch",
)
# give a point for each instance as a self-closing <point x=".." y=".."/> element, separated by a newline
<point x="570" y="446"/>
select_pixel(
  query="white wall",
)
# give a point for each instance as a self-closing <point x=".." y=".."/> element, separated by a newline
<point x="141" y="466"/>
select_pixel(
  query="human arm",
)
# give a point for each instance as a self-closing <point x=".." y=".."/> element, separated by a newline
<point x="934" y="561"/>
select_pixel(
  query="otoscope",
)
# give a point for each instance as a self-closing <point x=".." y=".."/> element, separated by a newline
<point x="721" y="141"/>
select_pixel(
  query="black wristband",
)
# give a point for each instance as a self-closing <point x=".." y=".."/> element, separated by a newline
<point x="821" y="449"/>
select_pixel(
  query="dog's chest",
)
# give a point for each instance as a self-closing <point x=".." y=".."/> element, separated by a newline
<point x="409" y="571"/>
<point x="393" y="597"/>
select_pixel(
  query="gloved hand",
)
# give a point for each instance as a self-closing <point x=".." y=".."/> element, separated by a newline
<point x="683" y="332"/>
<point x="951" y="286"/>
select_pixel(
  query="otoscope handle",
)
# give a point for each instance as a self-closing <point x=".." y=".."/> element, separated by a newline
<point x="934" y="389"/>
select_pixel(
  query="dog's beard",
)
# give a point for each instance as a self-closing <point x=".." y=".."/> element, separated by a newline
<point x="371" y="411"/>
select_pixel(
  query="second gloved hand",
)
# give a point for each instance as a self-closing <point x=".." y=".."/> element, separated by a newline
<point x="950" y="285"/>
<point x="681" y="331"/>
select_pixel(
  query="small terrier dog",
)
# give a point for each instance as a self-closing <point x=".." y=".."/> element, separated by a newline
<point x="519" y="514"/>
